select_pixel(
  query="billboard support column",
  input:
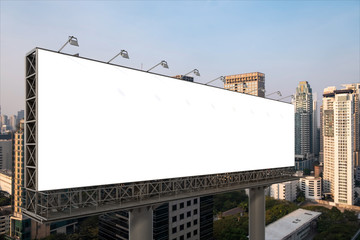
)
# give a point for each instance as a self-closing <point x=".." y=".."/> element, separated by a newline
<point x="141" y="223"/>
<point x="257" y="213"/>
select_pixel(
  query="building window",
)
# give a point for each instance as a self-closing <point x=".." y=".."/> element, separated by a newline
<point x="195" y="222"/>
<point x="181" y="216"/>
<point x="195" y="201"/>
<point x="188" y="235"/>
<point x="174" y="207"/>
<point x="181" y="227"/>
<point x="174" y="219"/>
<point x="188" y="224"/>
<point x="182" y="237"/>
<point x="188" y="203"/>
<point x="188" y="214"/>
<point x="195" y="211"/>
<point x="195" y="232"/>
<point x="174" y="230"/>
<point x="182" y="205"/>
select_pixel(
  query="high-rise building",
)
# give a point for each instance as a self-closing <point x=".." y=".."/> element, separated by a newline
<point x="315" y="136"/>
<point x="338" y="147"/>
<point x="18" y="169"/>
<point x="20" y="226"/>
<point x="303" y="119"/>
<point x="356" y="120"/>
<point x="321" y="149"/>
<point x="4" y="120"/>
<point x="20" y="115"/>
<point x="12" y="122"/>
<point x="254" y="83"/>
<point x="6" y="151"/>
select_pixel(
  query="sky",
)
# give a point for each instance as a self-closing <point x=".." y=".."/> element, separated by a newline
<point x="289" y="41"/>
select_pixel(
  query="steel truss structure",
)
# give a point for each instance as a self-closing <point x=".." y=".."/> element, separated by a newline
<point x="49" y="206"/>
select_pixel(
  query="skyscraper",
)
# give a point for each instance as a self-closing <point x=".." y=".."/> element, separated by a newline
<point x="303" y="119"/>
<point x="304" y="126"/>
<point x="255" y="83"/>
<point x="338" y="148"/>
<point x="356" y="119"/>
<point x="315" y="136"/>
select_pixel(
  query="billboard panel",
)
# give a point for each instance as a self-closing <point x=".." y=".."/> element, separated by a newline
<point x="103" y="124"/>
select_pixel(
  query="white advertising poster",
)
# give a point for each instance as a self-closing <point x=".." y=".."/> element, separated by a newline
<point x="104" y="124"/>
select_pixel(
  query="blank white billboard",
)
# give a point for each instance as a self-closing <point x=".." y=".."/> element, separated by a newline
<point x="104" y="124"/>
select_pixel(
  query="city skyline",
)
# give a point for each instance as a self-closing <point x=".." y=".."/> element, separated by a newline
<point x="290" y="42"/>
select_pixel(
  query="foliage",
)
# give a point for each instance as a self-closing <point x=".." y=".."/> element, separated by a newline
<point x="231" y="228"/>
<point x="227" y="201"/>
<point x="236" y="227"/>
<point x="276" y="209"/>
<point x="307" y="172"/>
<point x="300" y="195"/>
<point x="333" y="224"/>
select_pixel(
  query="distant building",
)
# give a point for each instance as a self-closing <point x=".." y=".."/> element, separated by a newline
<point x="297" y="225"/>
<point x="311" y="186"/>
<point x="186" y="78"/>
<point x="315" y="133"/>
<point x="4" y="120"/>
<point x="303" y="162"/>
<point x="254" y="83"/>
<point x="304" y="126"/>
<point x="6" y="181"/>
<point x="355" y="87"/>
<point x="20" y="115"/>
<point x="5" y="213"/>
<point x="303" y="119"/>
<point x="318" y="170"/>
<point x="284" y="191"/>
<point x="6" y="151"/>
<point x="12" y="122"/>
<point x="321" y="149"/>
<point x="338" y="143"/>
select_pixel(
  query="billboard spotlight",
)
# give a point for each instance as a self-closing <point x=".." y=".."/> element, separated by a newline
<point x="123" y="53"/>
<point x="72" y="40"/>
<point x="162" y="63"/>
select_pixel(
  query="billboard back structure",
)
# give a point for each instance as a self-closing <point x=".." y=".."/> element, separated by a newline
<point x="101" y="124"/>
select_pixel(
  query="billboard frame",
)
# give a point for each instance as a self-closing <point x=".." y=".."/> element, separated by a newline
<point x="53" y="205"/>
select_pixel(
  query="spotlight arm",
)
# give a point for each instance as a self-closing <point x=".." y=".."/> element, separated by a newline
<point x="222" y="78"/>
<point x="120" y="53"/>
<point x="68" y="41"/>
<point x="278" y="92"/>
<point x="154" y="66"/>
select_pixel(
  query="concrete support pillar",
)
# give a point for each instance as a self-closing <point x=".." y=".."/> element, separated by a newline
<point x="257" y="213"/>
<point x="141" y="224"/>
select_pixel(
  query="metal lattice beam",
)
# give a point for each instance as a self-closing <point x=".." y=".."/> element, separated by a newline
<point x="48" y="206"/>
<point x="31" y="122"/>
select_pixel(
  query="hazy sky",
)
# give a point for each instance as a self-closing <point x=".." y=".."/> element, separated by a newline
<point x="289" y="41"/>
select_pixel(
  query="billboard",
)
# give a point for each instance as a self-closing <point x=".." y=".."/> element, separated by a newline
<point x="100" y="124"/>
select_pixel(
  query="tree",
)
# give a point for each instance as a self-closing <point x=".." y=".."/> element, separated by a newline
<point x="231" y="228"/>
<point x="227" y="201"/>
<point x="300" y="196"/>
<point x="307" y="172"/>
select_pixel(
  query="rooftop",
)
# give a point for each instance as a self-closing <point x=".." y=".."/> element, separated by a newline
<point x="288" y="224"/>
